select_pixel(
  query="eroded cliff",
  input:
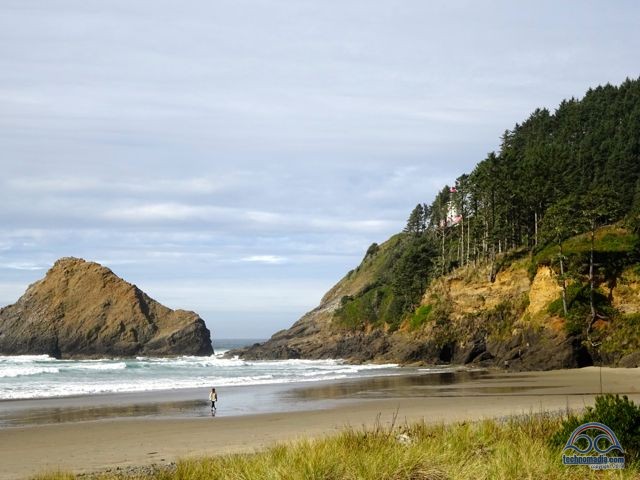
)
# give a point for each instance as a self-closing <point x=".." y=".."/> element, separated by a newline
<point x="467" y="317"/>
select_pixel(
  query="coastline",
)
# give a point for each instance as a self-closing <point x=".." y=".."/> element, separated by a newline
<point x="311" y="411"/>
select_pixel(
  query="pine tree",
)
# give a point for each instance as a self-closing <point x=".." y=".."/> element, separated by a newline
<point x="416" y="222"/>
<point x="599" y="207"/>
<point x="560" y="223"/>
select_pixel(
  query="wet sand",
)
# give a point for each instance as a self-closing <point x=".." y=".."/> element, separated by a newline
<point x="119" y="431"/>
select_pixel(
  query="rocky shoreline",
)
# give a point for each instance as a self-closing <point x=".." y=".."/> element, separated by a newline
<point x="502" y="323"/>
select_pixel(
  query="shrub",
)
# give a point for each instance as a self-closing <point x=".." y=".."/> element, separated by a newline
<point x="420" y="316"/>
<point x="499" y="320"/>
<point x="618" y="413"/>
<point x="578" y="306"/>
<point x="622" y="337"/>
<point x="372" y="250"/>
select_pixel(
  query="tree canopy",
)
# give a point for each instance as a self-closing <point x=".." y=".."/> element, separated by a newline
<point x="586" y="154"/>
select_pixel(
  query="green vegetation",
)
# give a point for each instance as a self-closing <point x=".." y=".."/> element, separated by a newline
<point x="420" y="316"/>
<point x="373" y="267"/>
<point x="500" y="319"/>
<point x="565" y="172"/>
<point x="622" y="338"/>
<point x="372" y="250"/>
<point x="618" y="413"/>
<point x="578" y="307"/>
<point x="556" y="181"/>
<point x="375" y="304"/>
<point x="581" y="265"/>
<point x="512" y="448"/>
<point x="612" y="240"/>
<point x="401" y="274"/>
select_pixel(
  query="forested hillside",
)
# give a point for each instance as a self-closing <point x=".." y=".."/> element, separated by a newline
<point x="556" y="175"/>
<point x="532" y="259"/>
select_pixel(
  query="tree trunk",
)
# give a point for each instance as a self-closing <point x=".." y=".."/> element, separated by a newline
<point x="564" y="284"/>
<point x="443" y="230"/>
<point x="468" y="242"/>
<point x="492" y="269"/>
<point x="535" y="228"/>
<point x="591" y="279"/>
<point x="462" y="242"/>
<point x="485" y="241"/>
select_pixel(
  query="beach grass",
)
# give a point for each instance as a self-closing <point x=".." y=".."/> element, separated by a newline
<point x="514" y="447"/>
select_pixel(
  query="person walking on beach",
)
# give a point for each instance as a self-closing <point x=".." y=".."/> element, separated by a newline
<point x="213" y="396"/>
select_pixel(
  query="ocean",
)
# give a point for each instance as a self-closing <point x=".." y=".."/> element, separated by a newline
<point x="40" y="376"/>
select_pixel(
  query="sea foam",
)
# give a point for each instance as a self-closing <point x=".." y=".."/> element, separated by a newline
<point x="40" y="376"/>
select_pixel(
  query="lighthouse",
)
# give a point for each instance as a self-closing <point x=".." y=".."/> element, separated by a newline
<point x="453" y="215"/>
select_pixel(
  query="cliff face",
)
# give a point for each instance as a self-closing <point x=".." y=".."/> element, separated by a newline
<point x="82" y="309"/>
<point x="464" y="318"/>
<point x="465" y="337"/>
<point x="317" y="335"/>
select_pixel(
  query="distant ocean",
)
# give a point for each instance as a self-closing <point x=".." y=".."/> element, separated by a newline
<point x="40" y="376"/>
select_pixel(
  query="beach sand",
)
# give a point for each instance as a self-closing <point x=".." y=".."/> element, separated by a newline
<point x="109" y="443"/>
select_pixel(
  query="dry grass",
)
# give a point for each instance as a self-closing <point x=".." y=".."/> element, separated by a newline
<point x="493" y="449"/>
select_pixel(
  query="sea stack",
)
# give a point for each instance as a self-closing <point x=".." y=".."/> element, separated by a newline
<point x="82" y="309"/>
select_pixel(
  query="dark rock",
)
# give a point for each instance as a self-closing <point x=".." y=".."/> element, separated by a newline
<point x="446" y="352"/>
<point x="469" y="353"/>
<point x="631" y="360"/>
<point x="540" y="350"/>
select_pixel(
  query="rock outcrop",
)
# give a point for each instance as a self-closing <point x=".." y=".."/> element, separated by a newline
<point x="82" y="309"/>
<point x="504" y="323"/>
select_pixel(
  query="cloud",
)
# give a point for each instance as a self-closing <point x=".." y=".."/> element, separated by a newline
<point x="199" y="137"/>
<point x="22" y="266"/>
<point x="10" y="292"/>
<point x="161" y="212"/>
<point x="94" y="185"/>
<point x="268" y="259"/>
<point x="248" y="295"/>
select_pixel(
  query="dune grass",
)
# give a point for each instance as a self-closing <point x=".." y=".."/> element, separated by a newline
<point x="515" y="448"/>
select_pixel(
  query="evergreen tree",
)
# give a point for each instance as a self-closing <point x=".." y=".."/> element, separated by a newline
<point x="560" y="223"/>
<point x="411" y="272"/>
<point x="583" y="146"/>
<point x="599" y="207"/>
<point x="416" y="223"/>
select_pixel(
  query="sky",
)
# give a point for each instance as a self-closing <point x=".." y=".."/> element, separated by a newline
<point x="237" y="158"/>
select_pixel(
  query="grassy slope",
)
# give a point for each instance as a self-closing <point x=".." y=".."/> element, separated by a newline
<point x="514" y="448"/>
<point x="370" y="270"/>
<point x="371" y="301"/>
<point x="612" y="239"/>
<point x="366" y="293"/>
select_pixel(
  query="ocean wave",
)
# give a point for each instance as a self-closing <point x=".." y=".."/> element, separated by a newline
<point x="58" y="390"/>
<point x="217" y="361"/>
<point x="178" y="362"/>
<point x="98" y="366"/>
<point x="326" y="372"/>
<point x="22" y="371"/>
<point x="18" y="379"/>
<point x="25" y="359"/>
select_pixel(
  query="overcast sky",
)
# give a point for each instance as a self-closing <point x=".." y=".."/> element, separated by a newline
<point x="236" y="158"/>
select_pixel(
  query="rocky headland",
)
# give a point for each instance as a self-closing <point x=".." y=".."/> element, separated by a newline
<point x="82" y="309"/>
<point x="468" y="317"/>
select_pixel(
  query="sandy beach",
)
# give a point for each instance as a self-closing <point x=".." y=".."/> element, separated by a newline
<point x="125" y="439"/>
